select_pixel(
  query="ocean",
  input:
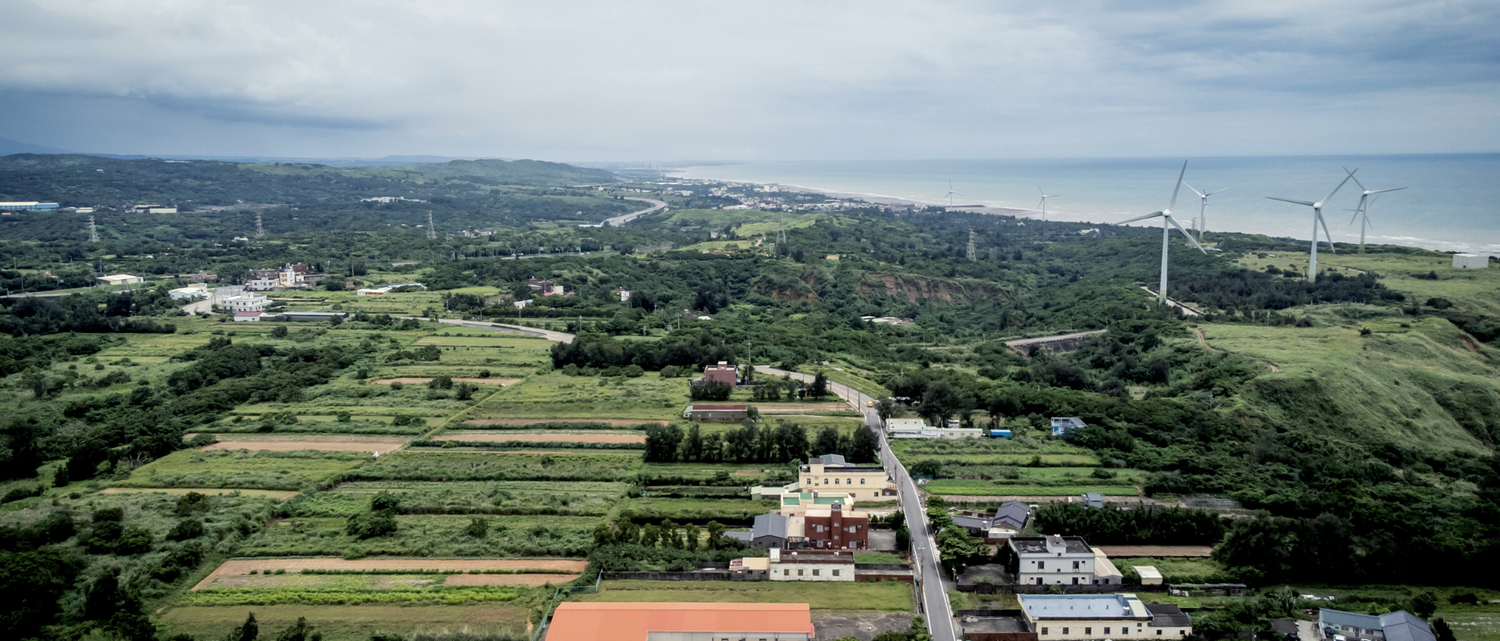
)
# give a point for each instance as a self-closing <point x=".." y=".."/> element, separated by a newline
<point x="1452" y="201"/>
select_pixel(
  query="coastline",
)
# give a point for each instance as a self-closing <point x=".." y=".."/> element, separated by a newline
<point x="1095" y="217"/>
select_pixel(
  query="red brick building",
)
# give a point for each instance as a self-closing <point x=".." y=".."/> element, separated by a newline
<point x="721" y="373"/>
<point x="833" y="528"/>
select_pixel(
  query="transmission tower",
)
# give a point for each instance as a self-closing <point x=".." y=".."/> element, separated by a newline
<point x="260" y="229"/>
<point x="431" y="233"/>
<point x="781" y="232"/>
<point x="971" y="244"/>
<point x="93" y="231"/>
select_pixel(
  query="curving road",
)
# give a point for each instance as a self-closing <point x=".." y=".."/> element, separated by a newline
<point x="656" y="205"/>
<point x="550" y="335"/>
<point x="935" y="607"/>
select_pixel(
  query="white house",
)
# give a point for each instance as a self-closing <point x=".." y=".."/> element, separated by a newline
<point x="197" y="290"/>
<point x="811" y="565"/>
<point x="1053" y="560"/>
<point x="244" y="303"/>
<point x="122" y="279"/>
<point x="247" y="317"/>
<point x="1470" y="261"/>
<point x="1081" y="617"/>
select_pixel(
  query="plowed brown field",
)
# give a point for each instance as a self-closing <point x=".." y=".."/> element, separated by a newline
<point x="533" y="421"/>
<point x="508" y="579"/>
<point x="324" y="443"/>
<point x="244" y="566"/>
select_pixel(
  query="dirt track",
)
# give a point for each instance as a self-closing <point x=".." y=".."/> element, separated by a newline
<point x="244" y="566"/>
<point x="508" y="579"/>
<point x="533" y="421"/>
<point x="320" y="443"/>
<point x="411" y="380"/>
<point x="560" y="437"/>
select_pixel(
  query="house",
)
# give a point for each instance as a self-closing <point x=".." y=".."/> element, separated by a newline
<point x="722" y="373"/>
<point x="764" y="492"/>
<point x="1052" y="560"/>
<point x="198" y="290"/>
<point x="243" y="303"/>
<point x="1005" y="522"/>
<point x="999" y="433"/>
<point x="602" y="621"/>
<point x="917" y="428"/>
<point x="1394" y="626"/>
<point x="242" y="317"/>
<point x="770" y="531"/>
<point x="1287" y="629"/>
<point x="122" y="279"/>
<point x="1105" y="572"/>
<point x="832" y="472"/>
<point x="1068" y="617"/>
<point x="1093" y="500"/>
<point x="1011" y="516"/>
<point x="624" y="295"/>
<point x="811" y="565"/>
<point x="1065" y="426"/>
<point x="835" y="528"/>
<point x="715" y="413"/>
<point x="540" y="285"/>
<point x="1148" y="574"/>
<point x="1470" y="261"/>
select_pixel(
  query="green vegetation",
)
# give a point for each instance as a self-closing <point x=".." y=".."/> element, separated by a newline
<point x="895" y="597"/>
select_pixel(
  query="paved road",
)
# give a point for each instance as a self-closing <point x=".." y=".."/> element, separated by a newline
<point x="617" y="221"/>
<point x="204" y="306"/>
<point x="503" y="327"/>
<point x="935" y="606"/>
<point x="1187" y="310"/>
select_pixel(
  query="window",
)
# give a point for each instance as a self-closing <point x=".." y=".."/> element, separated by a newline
<point x="861" y="481"/>
<point x="848" y="481"/>
<point x="1158" y="633"/>
<point x="835" y="481"/>
<point x="815" y="572"/>
<point x="1106" y="632"/>
<point x="799" y="573"/>
<point x="786" y="573"/>
<point x="1088" y="631"/>
<point x="1075" y="565"/>
<point x="1041" y="565"/>
<point x="1065" y="630"/>
<point x="1124" y="632"/>
<point x="825" y="481"/>
<point x="1044" y="631"/>
<point x="1181" y="632"/>
<point x="1039" y="582"/>
<point x="835" y="572"/>
<point x="1075" y="580"/>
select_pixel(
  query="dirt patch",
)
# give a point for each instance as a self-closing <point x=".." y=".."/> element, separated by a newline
<point x="860" y="625"/>
<point x="244" y="566"/>
<point x="1469" y="344"/>
<point x="533" y="421"/>
<point x="412" y="380"/>
<point x="323" y="444"/>
<point x="1181" y="551"/>
<point x="560" y="437"/>
<point x="1202" y="340"/>
<point x="531" y="580"/>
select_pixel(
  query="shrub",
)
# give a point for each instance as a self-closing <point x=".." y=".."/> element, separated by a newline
<point x="186" y="529"/>
<point x="441" y="382"/>
<point x="396" y="386"/>
<point x="634" y="371"/>
<point x="367" y="525"/>
<point x="478" y="528"/>
<point x="671" y="371"/>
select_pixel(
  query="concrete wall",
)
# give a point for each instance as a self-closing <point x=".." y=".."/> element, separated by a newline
<point x="824" y="572"/>
<point x="1068" y="630"/>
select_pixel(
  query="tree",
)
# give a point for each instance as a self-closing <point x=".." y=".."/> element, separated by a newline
<point x="478" y="527"/>
<point x="299" y="631"/>
<point x="866" y="446"/>
<point x="278" y="332"/>
<point x="1442" y="631"/>
<point x="715" y="534"/>
<point x="1424" y="605"/>
<point x="250" y="631"/>
<point x="819" y="387"/>
<point x="827" y="441"/>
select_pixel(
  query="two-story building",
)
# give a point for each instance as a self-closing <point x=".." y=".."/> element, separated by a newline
<point x="831" y="472"/>
<point x="1052" y="560"/>
<point x="1392" y="626"/>
<point x="798" y="503"/>
<point x="723" y="373"/>
<point x="1082" y="617"/>
<point x="811" y="565"/>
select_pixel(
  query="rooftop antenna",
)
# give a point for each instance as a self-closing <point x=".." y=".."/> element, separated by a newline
<point x="1203" y="209"/>
<point x="951" y="194"/>
<point x="971" y="245"/>
<point x="260" y="229"/>
<point x="1363" y="209"/>
<point x="93" y="231"/>
<point x="431" y="233"/>
<point x="1317" y="207"/>
<point x="1166" y="233"/>
<point x="1043" y="204"/>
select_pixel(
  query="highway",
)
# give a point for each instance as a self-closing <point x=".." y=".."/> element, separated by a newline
<point x="935" y="607"/>
<point x="617" y="221"/>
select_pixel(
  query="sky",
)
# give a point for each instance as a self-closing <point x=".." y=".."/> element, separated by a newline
<point x="765" y="80"/>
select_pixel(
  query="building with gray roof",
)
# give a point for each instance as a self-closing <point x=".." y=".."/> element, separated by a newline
<point x="1394" y="626"/>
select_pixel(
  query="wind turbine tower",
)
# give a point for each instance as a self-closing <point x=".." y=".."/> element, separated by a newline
<point x="431" y="233"/>
<point x="260" y="229"/>
<point x="1203" y="209"/>
<point x="951" y="194"/>
<point x="93" y="231"/>
<point x="1043" y="203"/>
<point x="1363" y="209"/>
<point x="1166" y="233"/>
<point x="1317" y="207"/>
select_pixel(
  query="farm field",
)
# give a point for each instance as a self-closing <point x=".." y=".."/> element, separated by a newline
<point x="353" y="622"/>
<point x="888" y="596"/>
<point x="466" y="497"/>
<point x="260" y="470"/>
<point x="555" y="395"/>
<point x="953" y="487"/>
<point x="543" y="437"/>
<point x="181" y="491"/>
<point x="418" y="535"/>
<point x="532" y="465"/>
<point x="321" y="442"/>
<point x="243" y="567"/>
<point x="1180" y="570"/>
<point x="696" y="509"/>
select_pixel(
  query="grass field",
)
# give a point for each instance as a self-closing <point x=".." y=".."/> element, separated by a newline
<point x="579" y="397"/>
<point x="538" y="465"/>
<point x="467" y="497"/>
<point x="352" y="622"/>
<point x="951" y="487"/>
<point x="1172" y="569"/>
<point x="428" y="535"/>
<point x="246" y="470"/>
<point x="890" y="596"/>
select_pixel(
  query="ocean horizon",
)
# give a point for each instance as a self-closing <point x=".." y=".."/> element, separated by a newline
<point x="1452" y="201"/>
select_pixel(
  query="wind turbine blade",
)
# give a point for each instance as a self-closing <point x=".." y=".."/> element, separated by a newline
<point x="1356" y="214"/>
<point x="1356" y="180"/>
<point x="1294" y="202"/>
<point x="1381" y="191"/>
<point x="1215" y="192"/>
<point x="1150" y="215"/>
<point x="1039" y="202"/>
<point x="1041" y="191"/>
<point x="1200" y="194"/>
<point x="1326" y="234"/>
<point x="1341" y="186"/>
<point x="1190" y="238"/>
<point x="1178" y="188"/>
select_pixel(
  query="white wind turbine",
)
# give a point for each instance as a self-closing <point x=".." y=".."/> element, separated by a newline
<point x="1203" y="209"/>
<point x="1167" y="222"/>
<point x="1043" y="203"/>
<point x="1364" y="207"/>
<point x="1317" y="207"/>
<point x="951" y="194"/>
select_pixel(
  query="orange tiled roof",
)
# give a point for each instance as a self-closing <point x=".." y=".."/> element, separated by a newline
<point x="598" y="621"/>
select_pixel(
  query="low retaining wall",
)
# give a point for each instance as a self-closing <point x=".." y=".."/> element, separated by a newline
<point x="668" y="576"/>
<point x="994" y="588"/>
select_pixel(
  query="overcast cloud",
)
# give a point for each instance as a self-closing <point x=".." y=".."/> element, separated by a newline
<point x="751" y="80"/>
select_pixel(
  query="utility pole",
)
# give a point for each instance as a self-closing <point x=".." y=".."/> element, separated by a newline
<point x="93" y="231"/>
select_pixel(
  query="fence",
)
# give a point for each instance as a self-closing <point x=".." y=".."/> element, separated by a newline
<point x="668" y="576"/>
<point x="994" y="588"/>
